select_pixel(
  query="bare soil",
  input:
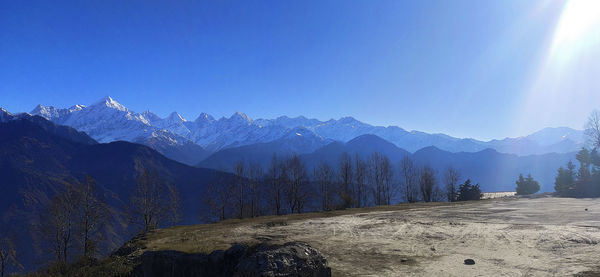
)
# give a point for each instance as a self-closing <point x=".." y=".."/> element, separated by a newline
<point x="505" y="237"/>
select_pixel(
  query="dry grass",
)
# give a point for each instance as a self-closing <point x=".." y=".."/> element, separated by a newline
<point x="205" y="238"/>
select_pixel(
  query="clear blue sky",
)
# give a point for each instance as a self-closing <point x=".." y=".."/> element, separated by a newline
<point x="482" y="69"/>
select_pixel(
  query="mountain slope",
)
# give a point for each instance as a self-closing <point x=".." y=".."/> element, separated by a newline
<point x="495" y="171"/>
<point x="297" y="140"/>
<point x="33" y="154"/>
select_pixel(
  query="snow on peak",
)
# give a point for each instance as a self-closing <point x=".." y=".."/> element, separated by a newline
<point x="240" y="116"/>
<point x="176" y="117"/>
<point x="4" y="115"/>
<point x="111" y="103"/>
<point x="76" y="108"/>
<point x="150" y="116"/>
<point x="204" y="117"/>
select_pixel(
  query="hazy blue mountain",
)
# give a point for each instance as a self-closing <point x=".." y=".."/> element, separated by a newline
<point x="495" y="171"/>
<point x="297" y="140"/>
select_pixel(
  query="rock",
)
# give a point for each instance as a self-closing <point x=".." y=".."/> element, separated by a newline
<point x="291" y="259"/>
<point x="469" y="262"/>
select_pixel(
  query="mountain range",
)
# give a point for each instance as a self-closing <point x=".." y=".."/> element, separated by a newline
<point x="192" y="142"/>
<point x="37" y="153"/>
<point x="39" y="158"/>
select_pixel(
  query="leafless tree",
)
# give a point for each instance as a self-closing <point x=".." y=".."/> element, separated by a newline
<point x="451" y="178"/>
<point x="276" y="186"/>
<point x="388" y="184"/>
<point x="360" y="172"/>
<point x="174" y="212"/>
<point x="409" y="175"/>
<point x="377" y="178"/>
<point x="255" y="176"/>
<point x="239" y="194"/>
<point x="345" y="180"/>
<point x="151" y="201"/>
<point x="58" y="222"/>
<point x="93" y="215"/>
<point x="297" y="182"/>
<point x="219" y="197"/>
<point x="8" y="254"/>
<point x="592" y="129"/>
<point x="324" y="177"/>
<point x="427" y="183"/>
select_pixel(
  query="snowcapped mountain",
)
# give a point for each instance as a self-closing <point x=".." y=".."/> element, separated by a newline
<point x="4" y="115"/>
<point x="107" y="120"/>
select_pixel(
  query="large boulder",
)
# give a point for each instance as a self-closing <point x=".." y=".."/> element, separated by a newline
<point x="291" y="259"/>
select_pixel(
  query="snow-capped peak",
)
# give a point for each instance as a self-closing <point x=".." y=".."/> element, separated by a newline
<point x="111" y="103"/>
<point x="76" y="108"/>
<point x="175" y="117"/>
<point x="4" y="115"/>
<point x="204" y="117"/>
<point x="150" y="116"/>
<point x="240" y="116"/>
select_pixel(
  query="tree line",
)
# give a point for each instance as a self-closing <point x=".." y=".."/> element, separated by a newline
<point x="287" y="186"/>
<point x="79" y="222"/>
<point x="582" y="181"/>
<point x="76" y="223"/>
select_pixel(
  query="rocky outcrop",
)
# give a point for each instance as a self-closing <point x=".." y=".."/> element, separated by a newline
<point x="291" y="259"/>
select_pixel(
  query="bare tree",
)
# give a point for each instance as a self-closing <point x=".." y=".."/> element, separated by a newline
<point x="360" y="172"/>
<point x="345" y="180"/>
<point x="240" y="188"/>
<point x="324" y="177"/>
<point x="276" y="181"/>
<point x="220" y="197"/>
<point x="8" y="254"/>
<point x="58" y="222"/>
<point x="151" y="201"/>
<point x="409" y="175"/>
<point x="174" y="212"/>
<point x="255" y="178"/>
<point x="427" y="183"/>
<point x="93" y="216"/>
<point x="376" y="176"/>
<point x="387" y="179"/>
<point x="451" y="178"/>
<point x="592" y="129"/>
<point x="297" y="181"/>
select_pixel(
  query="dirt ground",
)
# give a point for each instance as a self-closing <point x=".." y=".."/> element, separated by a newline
<point x="506" y="237"/>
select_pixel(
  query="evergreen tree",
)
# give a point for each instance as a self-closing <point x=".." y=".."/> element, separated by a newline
<point x="467" y="191"/>
<point x="565" y="180"/>
<point x="527" y="185"/>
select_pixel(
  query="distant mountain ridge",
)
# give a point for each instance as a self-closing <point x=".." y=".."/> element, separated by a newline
<point x="494" y="171"/>
<point x="192" y="141"/>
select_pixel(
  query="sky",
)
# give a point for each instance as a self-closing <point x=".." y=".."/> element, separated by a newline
<point x="467" y="68"/>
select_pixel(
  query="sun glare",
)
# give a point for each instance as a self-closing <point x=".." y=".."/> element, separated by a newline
<point x="578" y="30"/>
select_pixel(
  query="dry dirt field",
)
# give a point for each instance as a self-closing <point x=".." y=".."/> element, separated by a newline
<point x="506" y="237"/>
